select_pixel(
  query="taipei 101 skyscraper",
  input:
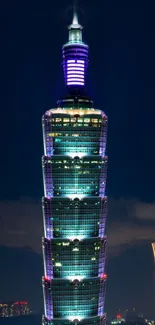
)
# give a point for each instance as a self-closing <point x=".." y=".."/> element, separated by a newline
<point x="74" y="202"/>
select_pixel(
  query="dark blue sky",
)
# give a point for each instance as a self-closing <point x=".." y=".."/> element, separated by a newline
<point x="122" y="83"/>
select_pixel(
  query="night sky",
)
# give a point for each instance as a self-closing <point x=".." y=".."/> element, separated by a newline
<point x="121" y="82"/>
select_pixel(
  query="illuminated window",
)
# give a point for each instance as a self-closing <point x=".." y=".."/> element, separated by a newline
<point x="58" y="264"/>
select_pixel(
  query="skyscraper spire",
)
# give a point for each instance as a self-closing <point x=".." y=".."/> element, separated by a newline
<point x="75" y="22"/>
<point x="75" y="16"/>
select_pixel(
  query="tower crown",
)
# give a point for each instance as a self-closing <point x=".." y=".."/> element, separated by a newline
<point x="75" y="57"/>
<point x="75" y="30"/>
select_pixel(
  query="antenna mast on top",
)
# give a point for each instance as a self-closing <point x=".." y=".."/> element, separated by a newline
<point x="75" y="16"/>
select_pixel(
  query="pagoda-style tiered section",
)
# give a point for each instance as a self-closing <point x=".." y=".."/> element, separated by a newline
<point x="74" y="203"/>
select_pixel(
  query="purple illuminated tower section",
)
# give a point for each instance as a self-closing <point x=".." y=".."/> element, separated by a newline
<point x="75" y="56"/>
<point x="74" y="202"/>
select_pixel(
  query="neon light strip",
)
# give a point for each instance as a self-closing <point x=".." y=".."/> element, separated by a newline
<point x="79" y="72"/>
<point x="75" y="79"/>
<point x="75" y="65"/>
<point x="75" y="71"/>
<point x="71" y="61"/>
<point x="75" y="83"/>
<point x="75" y="76"/>
<point x="74" y="68"/>
<point x="80" y="61"/>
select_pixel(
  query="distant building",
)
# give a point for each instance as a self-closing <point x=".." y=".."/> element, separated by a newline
<point x="18" y="308"/>
<point x="118" y="320"/>
<point x="130" y="317"/>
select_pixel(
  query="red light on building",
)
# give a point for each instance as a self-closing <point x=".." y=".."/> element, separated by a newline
<point x="104" y="276"/>
<point x="118" y="316"/>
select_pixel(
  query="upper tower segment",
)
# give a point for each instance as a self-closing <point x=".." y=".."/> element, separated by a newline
<point x="75" y="57"/>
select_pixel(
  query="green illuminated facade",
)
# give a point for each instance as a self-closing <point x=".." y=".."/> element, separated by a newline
<point x="74" y="203"/>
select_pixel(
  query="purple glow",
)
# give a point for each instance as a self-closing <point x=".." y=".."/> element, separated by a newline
<point x="74" y="61"/>
<point x="79" y="72"/>
<point x="101" y="297"/>
<point x="75" y="80"/>
<point x="75" y="71"/>
<point x="102" y="218"/>
<point x="75" y="83"/>
<point x="101" y="260"/>
<point x="49" y="228"/>
<point x="48" y="300"/>
<point x="48" y="261"/>
<point x="80" y="61"/>
<point x="74" y="68"/>
<point x="75" y="65"/>
<point x="75" y="58"/>
<point x="75" y="76"/>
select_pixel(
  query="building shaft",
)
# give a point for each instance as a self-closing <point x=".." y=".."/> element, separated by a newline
<point x="74" y="202"/>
